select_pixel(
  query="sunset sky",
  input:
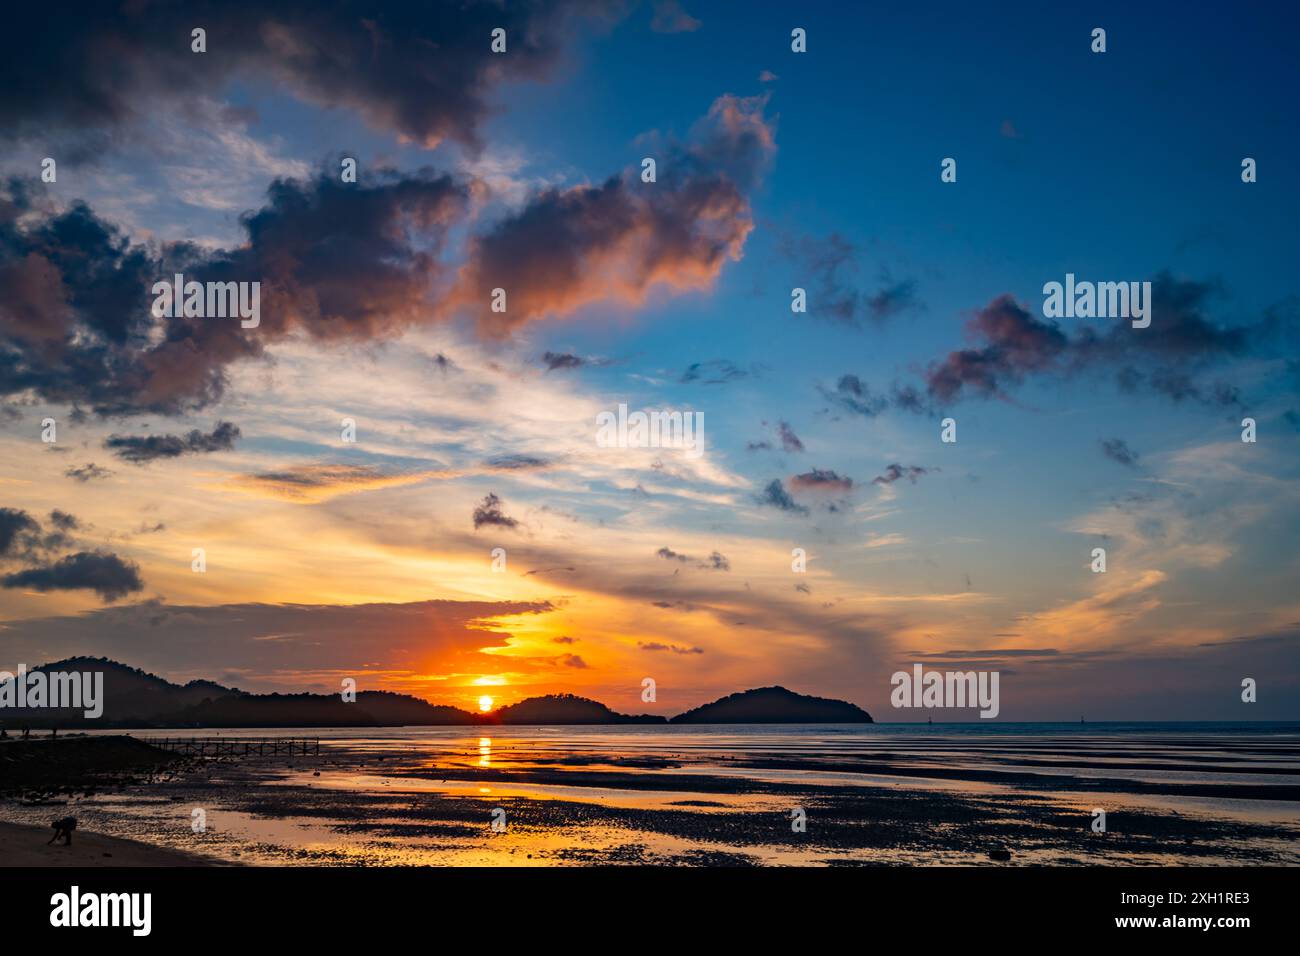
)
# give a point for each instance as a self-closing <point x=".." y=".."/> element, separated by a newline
<point x="775" y="170"/>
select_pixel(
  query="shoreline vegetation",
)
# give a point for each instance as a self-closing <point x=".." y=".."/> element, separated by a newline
<point x="135" y="699"/>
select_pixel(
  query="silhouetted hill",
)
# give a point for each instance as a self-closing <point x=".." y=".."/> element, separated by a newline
<point x="774" y="705"/>
<point x="566" y="709"/>
<point x="135" y="698"/>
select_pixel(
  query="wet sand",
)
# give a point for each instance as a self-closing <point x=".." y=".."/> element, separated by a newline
<point x="722" y="797"/>
<point x="22" y="845"/>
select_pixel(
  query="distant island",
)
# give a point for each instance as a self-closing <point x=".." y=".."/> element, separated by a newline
<point x="134" y="698"/>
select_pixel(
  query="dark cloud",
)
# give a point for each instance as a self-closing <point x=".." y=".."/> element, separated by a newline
<point x="675" y="648"/>
<point x="716" y="561"/>
<point x="572" y="660"/>
<point x="334" y="260"/>
<point x="564" y="639"/>
<point x="15" y="524"/>
<point x="822" y="264"/>
<point x="424" y="71"/>
<point x="614" y="242"/>
<point x="1181" y="342"/>
<point x="139" y="449"/>
<point x="895" y="472"/>
<point x="558" y="360"/>
<point x="489" y="512"/>
<point x="106" y="574"/>
<point x="855" y="396"/>
<point x="713" y="372"/>
<point x="1117" y="450"/>
<point x="517" y="463"/>
<point x="64" y="521"/>
<point x="87" y="472"/>
<point x="789" y="440"/>
<point x="821" y="479"/>
<point x="775" y="496"/>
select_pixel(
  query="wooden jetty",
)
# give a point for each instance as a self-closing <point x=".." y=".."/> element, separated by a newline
<point x="238" y="746"/>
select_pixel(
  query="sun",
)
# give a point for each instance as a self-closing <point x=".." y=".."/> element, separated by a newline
<point x="485" y="703"/>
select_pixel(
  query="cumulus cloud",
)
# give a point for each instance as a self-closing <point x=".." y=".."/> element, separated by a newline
<point x="334" y="260"/>
<point x="424" y="71"/>
<point x="617" y="241"/>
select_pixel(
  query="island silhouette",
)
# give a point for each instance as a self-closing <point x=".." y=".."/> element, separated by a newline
<point x="134" y="698"/>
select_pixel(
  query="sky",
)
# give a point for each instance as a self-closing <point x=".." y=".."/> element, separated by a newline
<point x="326" y="558"/>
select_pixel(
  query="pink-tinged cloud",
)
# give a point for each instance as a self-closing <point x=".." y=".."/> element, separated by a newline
<point x="620" y="241"/>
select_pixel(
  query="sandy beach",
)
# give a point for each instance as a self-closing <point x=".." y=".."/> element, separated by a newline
<point x="25" y="845"/>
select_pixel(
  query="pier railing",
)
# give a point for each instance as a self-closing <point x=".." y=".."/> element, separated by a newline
<point x="238" y="746"/>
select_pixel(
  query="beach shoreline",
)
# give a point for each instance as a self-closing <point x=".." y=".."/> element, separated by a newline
<point x="24" y="845"/>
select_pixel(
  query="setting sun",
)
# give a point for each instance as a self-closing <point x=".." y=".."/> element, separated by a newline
<point x="485" y="703"/>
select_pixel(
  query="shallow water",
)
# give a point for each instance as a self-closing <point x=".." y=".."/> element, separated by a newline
<point x="877" y="794"/>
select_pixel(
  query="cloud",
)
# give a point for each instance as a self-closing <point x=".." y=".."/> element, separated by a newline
<point x="517" y="463"/>
<point x="1015" y="344"/>
<point x="716" y="561"/>
<point x="617" y="241"/>
<point x="311" y="483"/>
<point x="572" y="660"/>
<point x="1012" y="345"/>
<point x="558" y="360"/>
<point x="335" y="260"/>
<point x="895" y="472"/>
<point x="789" y="440"/>
<point x="15" y="524"/>
<point x="820" y="479"/>
<point x="775" y="496"/>
<point x="713" y="372"/>
<point x="675" y="648"/>
<point x="822" y="264"/>
<point x="139" y="449"/>
<point x="87" y="472"/>
<point x="1117" y="450"/>
<point x="489" y="512"/>
<point x="106" y="574"/>
<point x="424" y="71"/>
<point x="669" y="17"/>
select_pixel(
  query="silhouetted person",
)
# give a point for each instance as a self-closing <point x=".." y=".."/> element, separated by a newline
<point x="54" y="732"/>
<point x="26" y="731"/>
<point x="63" y="828"/>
